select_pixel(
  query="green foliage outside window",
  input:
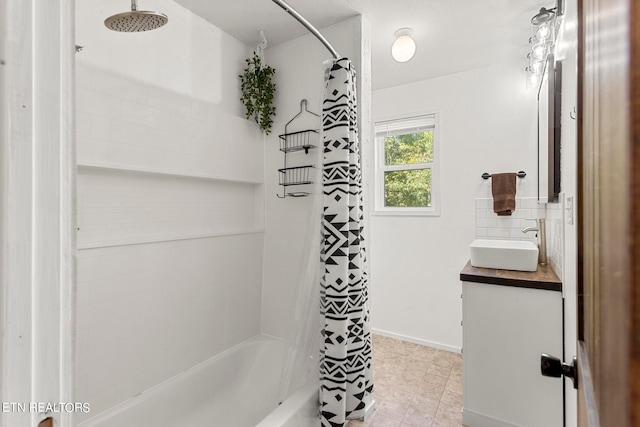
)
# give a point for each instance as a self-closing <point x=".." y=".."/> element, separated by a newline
<point x="408" y="188"/>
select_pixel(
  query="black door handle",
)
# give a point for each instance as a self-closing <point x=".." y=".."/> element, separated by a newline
<point x="551" y="366"/>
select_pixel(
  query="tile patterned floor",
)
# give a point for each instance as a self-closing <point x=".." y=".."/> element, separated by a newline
<point x="414" y="386"/>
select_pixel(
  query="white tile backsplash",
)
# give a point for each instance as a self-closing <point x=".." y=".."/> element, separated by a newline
<point x="555" y="235"/>
<point x="491" y="226"/>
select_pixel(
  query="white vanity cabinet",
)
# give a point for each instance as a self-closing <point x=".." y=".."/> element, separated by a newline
<point x="509" y="320"/>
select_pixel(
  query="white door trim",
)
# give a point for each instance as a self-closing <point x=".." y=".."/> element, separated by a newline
<point x="37" y="218"/>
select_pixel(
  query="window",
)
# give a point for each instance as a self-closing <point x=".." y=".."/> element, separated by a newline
<point x="406" y="165"/>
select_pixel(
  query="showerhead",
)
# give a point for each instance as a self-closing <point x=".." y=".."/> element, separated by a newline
<point x="135" y="21"/>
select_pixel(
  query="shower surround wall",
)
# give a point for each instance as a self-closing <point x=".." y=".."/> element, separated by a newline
<point x="299" y="74"/>
<point x="170" y="203"/>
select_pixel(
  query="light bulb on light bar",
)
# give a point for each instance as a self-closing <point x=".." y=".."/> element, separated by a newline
<point x="539" y="51"/>
<point x="532" y="81"/>
<point x="542" y="41"/>
<point x="536" y="67"/>
<point x="543" y="32"/>
<point x="404" y="47"/>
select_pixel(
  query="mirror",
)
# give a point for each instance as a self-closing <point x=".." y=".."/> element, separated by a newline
<point x="549" y="103"/>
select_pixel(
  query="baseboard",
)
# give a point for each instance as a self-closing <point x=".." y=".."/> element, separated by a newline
<point x="368" y="410"/>
<point x="475" y="419"/>
<point x="417" y="340"/>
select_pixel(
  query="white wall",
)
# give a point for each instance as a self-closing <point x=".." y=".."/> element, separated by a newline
<point x="299" y="74"/>
<point x="566" y="51"/>
<point x="170" y="202"/>
<point x="488" y="124"/>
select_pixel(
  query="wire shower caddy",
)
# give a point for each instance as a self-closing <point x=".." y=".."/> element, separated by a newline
<point x="297" y="141"/>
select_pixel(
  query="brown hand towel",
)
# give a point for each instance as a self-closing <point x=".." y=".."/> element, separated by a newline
<point x="503" y="188"/>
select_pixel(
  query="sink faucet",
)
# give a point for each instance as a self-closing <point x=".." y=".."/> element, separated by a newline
<point x="542" y="240"/>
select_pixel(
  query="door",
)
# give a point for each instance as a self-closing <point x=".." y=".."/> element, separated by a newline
<point x="609" y="213"/>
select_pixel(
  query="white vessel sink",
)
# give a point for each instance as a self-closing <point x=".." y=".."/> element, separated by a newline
<point x="518" y="255"/>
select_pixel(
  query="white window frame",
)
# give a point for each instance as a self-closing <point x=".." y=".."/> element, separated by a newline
<point x="396" y="123"/>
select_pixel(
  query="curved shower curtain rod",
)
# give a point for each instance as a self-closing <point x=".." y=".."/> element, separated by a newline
<point x="308" y="26"/>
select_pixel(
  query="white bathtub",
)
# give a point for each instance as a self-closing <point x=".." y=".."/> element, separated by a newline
<point x="237" y="388"/>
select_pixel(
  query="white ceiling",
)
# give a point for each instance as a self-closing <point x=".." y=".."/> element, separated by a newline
<point x="451" y="35"/>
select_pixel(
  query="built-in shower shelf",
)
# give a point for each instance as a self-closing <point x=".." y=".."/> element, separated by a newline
<point x="179" y="174"/>
<point x="128" y="206"/>
<point x="163" y="238"/>
<point x="298" y="141"/>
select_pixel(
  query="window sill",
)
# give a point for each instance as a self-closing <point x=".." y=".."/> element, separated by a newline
<point x="405" y="212"/>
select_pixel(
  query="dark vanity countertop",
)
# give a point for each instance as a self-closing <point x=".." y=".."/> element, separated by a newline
<point x="543" y="278"/>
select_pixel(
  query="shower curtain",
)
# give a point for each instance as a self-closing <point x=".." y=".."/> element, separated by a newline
<point x="345" y="357"/>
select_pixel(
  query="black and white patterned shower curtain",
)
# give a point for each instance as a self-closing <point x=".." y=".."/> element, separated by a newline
<point x="346" y="383"/>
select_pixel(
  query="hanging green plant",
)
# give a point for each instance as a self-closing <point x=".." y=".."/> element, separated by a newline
<point x="258" y="91"/>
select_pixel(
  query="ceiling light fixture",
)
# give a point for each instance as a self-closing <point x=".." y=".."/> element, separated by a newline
<point x="404" y="47"/>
